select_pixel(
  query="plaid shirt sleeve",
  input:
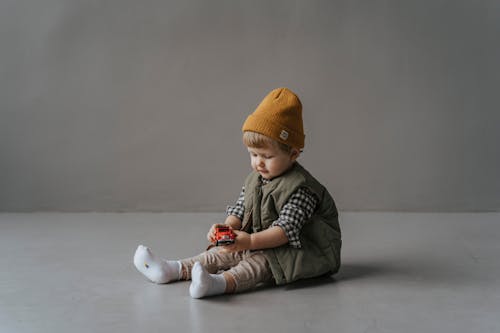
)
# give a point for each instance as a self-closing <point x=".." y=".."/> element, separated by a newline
<point x="238" y="209"/>
<point x="295" y="213"/>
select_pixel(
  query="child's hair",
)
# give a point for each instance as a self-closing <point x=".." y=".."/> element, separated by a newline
<point x="257" y="140"/>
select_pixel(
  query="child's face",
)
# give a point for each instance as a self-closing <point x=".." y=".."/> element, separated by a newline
<point x="271" y="161"/>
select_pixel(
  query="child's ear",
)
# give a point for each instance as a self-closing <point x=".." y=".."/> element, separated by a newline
<point x="294" y="154"/>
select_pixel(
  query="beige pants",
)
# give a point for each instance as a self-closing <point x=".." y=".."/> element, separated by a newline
<point x="248" y="268"/>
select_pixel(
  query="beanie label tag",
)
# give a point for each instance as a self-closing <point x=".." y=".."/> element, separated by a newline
<point x="284" y="135"/>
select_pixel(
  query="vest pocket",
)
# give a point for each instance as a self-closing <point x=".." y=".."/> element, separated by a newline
<point x="246" y="224"/>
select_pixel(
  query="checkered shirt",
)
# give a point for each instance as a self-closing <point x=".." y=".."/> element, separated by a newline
<point x="295" y="212"/>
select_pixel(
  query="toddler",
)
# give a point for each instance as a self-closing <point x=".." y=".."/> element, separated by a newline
<point x="285" y="221"/>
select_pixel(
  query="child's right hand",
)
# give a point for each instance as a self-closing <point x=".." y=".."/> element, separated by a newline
<point x="211" y="233"/>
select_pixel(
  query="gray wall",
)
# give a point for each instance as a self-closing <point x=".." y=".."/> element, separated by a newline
<point x="137" y="105"/>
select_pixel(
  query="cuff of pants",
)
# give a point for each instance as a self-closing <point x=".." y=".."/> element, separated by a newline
<point x="248" y="268"/>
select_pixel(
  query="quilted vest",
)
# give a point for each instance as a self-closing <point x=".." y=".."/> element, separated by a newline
<point x="320" y="236"/>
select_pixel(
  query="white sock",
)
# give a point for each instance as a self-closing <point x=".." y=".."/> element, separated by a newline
<point x="155" y="269"/>
<point x="205" y="284"/>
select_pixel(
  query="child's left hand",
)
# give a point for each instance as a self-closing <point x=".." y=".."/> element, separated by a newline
<point x="242" y="242"/>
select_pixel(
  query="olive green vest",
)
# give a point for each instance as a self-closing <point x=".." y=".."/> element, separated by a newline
<point x="320" y="236"/>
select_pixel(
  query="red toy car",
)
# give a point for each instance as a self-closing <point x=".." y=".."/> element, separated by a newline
<point x="224" y="235"/>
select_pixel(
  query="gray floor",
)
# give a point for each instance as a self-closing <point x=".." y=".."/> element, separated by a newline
<point x="401" y="273"/>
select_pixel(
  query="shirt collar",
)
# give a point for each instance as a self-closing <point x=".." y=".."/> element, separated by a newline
<point x="263" y="180"/>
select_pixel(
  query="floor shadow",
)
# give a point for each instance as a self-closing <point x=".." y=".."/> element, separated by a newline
<point x="346" y="272"/>
<point x="359" y="271"/>
<point x="311" y="283"/>
<point x="425" y="271"/>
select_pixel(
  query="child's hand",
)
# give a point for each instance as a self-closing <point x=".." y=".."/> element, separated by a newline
<point x="241" y="242"/>
<point x="211" y="233"/>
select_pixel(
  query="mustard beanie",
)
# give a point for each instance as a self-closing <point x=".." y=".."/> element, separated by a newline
<point x="279" y="117"/>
